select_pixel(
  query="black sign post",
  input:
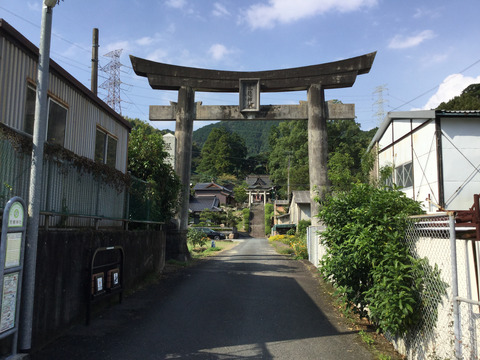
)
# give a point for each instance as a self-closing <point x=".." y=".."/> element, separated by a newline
<point x="12" y="249"/>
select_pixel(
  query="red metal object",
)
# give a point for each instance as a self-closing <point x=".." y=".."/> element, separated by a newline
<point x="470" y="218"/>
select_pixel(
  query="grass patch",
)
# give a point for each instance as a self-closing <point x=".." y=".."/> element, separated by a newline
<point x="207" y="250"/>
<point x="177" y="263"/>
<point x="282" y="248"/>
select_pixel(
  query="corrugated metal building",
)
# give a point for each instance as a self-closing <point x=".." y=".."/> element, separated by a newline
<point x="80" y="117"/>
<point x="77" y="120"/>
<point x="434" y="154"/>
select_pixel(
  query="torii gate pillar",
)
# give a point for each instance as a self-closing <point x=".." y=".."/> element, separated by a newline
<point x="184" y="116"/>
<point x="317" y="147"/>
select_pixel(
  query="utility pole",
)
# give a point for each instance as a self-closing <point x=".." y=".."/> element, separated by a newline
<point x="94" y="80"/>
<point x="288" y="177"/>
<point x="36" y="172"/>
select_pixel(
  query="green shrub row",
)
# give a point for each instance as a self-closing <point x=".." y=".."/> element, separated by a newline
<point x="368" y="260"/>
<point x="246" y="219"/>
<point x="268" y="218"/>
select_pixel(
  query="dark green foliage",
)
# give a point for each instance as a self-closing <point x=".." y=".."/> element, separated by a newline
<point x="268" y="218"/>
<point x="302" y="227"/>
<point x="240" y="193"/>
<point x="222" y="153"/>
<point x="146" y="161"/>
<point x="346" y="159"/>
<point x="209" y="217"/>
<point x="255" y="133"/>
<point x="246" y="219"/>
<point x="366" y="257"/>
<point x="289" y="144"/>
<point x="468" y="100"/>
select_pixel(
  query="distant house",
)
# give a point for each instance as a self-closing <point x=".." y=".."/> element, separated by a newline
<point x="198" y="204"/>
<point x="280" y="212"/>
<point x="78" y="121"/>
<point x="224" y="194"/>
<point x="259" y="188"/>
<point x="298" y="210"/>
<point x="300" y="206"/>
<point x="434" y="155"/>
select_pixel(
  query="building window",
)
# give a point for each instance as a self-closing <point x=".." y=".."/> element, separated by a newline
<point x="57" y="118"/>
<point x="404" y="175"/>
<point x="29" y="110"/>
<point x="105" y="148"/>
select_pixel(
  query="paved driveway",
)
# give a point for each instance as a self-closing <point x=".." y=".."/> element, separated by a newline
<point x="246" y="303"/>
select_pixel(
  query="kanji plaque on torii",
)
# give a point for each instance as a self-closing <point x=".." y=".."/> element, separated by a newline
<point x="314" y="79"/>
<point x="249" y="95"/>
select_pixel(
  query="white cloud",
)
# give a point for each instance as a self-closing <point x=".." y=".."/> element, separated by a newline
<point x="403" y="42"/>
<point x="123" y="45"/>
<point x="452" y="86"/>
<point x="426" y="13"/>
<point x="220" y="10"/>
<point x="158" y="55"/>
<point x="149" y="40"/>
<point x="34" y="6"/>
<point x="287" y="11"/>
<point x="218" y="51"/>
<point x="182" y="5"/>
<point x="145" y="41"/>
<point x="177" y="4"/>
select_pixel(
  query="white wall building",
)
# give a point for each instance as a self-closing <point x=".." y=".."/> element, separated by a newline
<point x="434" y="154"/>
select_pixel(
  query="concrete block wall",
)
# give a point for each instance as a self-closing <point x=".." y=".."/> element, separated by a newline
<point x="63" y="273"/>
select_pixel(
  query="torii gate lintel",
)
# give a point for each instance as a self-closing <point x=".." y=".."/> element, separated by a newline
<point x="334" y="111"/>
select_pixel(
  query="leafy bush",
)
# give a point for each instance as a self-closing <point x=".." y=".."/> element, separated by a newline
<point x="297" y="243"/>
<point x="366" y="257"/>
<point x="302" y="226"/>
<point x="246" y="219"/>
<point x="196" y="237"/>
<point x="268" y="218"/>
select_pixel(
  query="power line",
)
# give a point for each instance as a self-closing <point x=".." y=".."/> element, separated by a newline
<point x="435" y="87"/>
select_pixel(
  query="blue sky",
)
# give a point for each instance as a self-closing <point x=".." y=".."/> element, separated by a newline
<point x="427" y="51"/>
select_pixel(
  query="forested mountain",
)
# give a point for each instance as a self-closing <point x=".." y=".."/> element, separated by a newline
<point x="254" y="132"/>
<point x="469" y="99"/>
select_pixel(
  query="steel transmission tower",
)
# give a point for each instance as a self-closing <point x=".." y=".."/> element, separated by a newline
<point x="112" y="84"/>
<point x="380" y="114"/>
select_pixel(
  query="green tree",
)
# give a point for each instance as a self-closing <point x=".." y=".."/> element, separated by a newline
<point x="347" y="144"/>
<point x="240" y="193"/>
<point x="469" y="99"/>
<point x="289" y="144"/>
<point x="222" y="153"/>
<point x="146" y="161"/>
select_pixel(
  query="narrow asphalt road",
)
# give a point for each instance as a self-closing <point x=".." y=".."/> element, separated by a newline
<point x="246" y="303"/>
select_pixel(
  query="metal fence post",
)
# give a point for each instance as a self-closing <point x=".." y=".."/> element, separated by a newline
<point x="456" y="312"/>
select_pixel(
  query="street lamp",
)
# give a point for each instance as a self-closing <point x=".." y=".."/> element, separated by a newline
<point x="50" y="3"/>
<point x="39" y="134"/>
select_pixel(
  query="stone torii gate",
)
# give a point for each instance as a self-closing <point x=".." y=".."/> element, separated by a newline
<point x="315" y="79"/>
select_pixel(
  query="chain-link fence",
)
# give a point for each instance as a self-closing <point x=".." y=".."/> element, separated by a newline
<point x="450" y="325"/>
<point x="72" y="196"/>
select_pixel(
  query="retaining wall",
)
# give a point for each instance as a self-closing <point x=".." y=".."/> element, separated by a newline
<point x="63" y="273"/>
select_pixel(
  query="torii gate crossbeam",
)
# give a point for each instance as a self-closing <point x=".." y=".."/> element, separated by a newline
<point x="315" y="79"/>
